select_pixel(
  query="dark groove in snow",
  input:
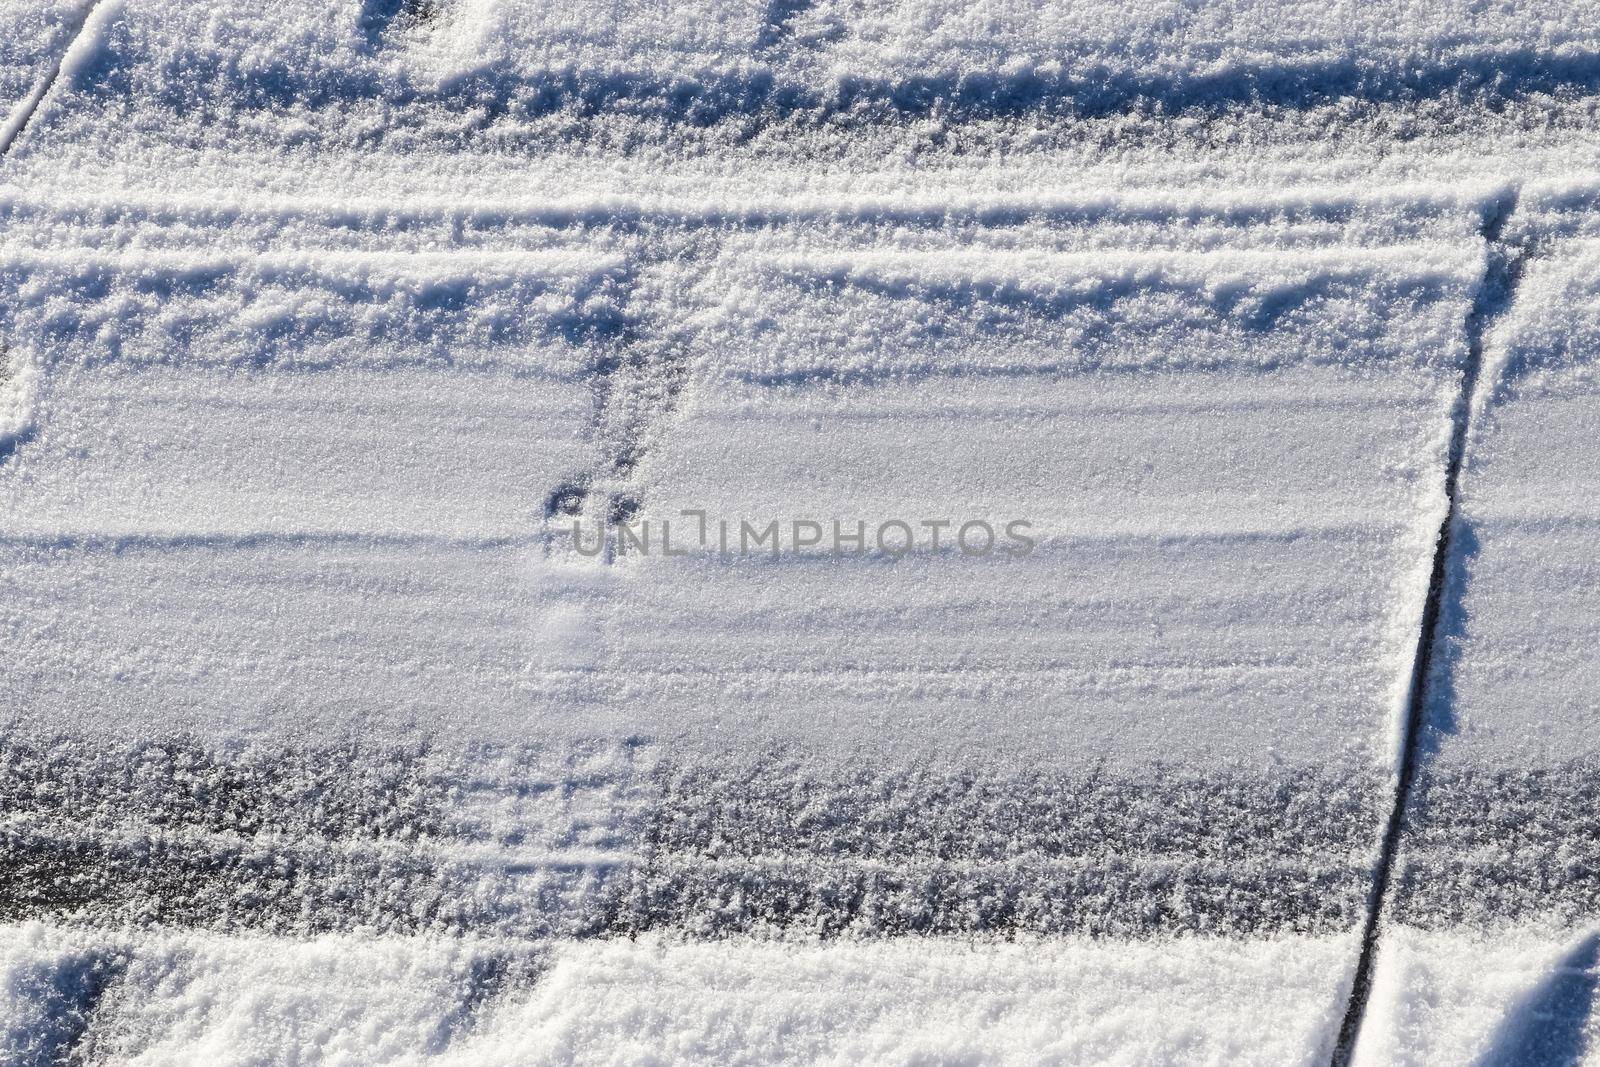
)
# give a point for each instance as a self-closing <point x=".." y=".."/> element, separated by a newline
<point x="1496" y="293"/>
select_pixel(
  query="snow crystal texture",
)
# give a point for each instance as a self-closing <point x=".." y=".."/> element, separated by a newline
<point x="342" y="345"/>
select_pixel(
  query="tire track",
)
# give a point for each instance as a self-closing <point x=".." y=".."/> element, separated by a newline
<point x="605" y="841"/>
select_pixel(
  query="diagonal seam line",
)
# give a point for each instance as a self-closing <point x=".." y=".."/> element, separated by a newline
<point x="1495" y="295"/>
<point x="24" y="112"/>
<point x="10" y="131"/>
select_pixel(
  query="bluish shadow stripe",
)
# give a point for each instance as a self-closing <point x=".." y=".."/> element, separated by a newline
<point x="209" y="83"/>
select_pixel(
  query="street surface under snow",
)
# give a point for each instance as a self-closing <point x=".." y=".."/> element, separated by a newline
<point x="344" y="345"/>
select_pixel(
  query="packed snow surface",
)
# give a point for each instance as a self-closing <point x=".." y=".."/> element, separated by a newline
<point x="392" y="392"/>
<point x="204" y="999"/>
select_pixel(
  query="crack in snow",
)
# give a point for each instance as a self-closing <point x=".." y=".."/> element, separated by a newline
<point x="1505" y="262"/>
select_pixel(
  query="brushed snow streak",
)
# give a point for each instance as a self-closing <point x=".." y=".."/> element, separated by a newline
<point x="1503" y="270"/>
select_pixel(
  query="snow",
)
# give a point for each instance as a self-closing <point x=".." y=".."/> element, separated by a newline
<point x="1520" y="994"/>
<point x="32" y="39"/>
<point x="910" y="1003"/>
<point x="725" y="102"/>
<point x="325" y="325"/>
<point x="1492" y="952"/>
<point x="191" y="999"/>
<point x="338" y="407"/>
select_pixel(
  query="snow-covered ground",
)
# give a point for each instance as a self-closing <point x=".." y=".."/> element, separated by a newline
<point x="1496" y="959"/>
<point x="346" y="343"/>
<point x="202" y="998"/>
